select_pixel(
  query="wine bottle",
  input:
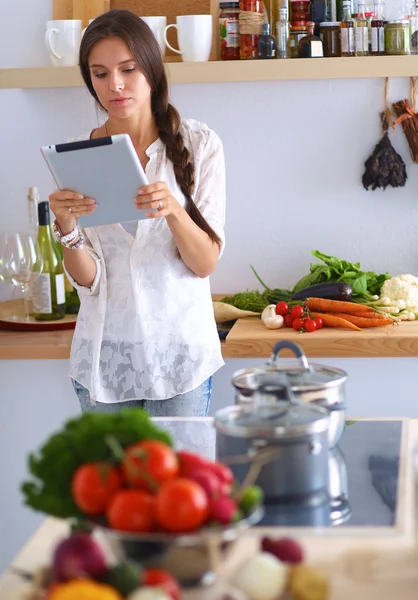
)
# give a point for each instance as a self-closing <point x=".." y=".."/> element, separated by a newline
<point x="72" y="300"/>
<point x="33" y="201"/>
<point x="48" y="287"/>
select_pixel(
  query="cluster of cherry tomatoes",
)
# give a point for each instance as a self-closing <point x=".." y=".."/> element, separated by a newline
<point x="297" y="317"/>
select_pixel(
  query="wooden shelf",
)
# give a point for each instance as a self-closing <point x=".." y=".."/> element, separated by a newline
<point x="233" y="71"/>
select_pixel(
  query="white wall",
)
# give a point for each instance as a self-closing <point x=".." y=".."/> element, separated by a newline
<point x="295" y="154"/>
<point x="294" y="150"/>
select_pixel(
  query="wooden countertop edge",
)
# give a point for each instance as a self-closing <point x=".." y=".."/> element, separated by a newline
<point x="248" y="338"/>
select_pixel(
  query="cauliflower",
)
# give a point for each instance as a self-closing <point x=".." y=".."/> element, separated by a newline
<point x="402" y="288"/>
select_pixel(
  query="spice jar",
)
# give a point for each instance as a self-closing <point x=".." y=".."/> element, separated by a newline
<point x="251" y="19"/>
<point x="397" y="37"/>
<point x="300" y="13"/>
<point x="295" y="36"/>
<point x="229" y="30"/>
<point x="330" y="34"/>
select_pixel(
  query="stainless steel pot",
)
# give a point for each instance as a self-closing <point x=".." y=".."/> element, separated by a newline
<point x="340" y="508"/>
<point x="310" y="383"/>
<point x="282" y="446"/>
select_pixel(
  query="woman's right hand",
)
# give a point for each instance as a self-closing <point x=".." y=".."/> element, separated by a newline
<point x="68" y="206"/>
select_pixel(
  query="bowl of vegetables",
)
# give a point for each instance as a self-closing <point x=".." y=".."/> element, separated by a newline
<point x="120" y="477"/>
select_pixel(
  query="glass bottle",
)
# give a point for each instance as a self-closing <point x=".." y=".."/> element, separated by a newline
<point x="318" y="13"/>
<point x="378" y="30"/>
<point x="361" y="32"/>
<point x="72" y="299"/>
<point x="48" y="288"/>
<point x="347" y="30"/>
<point x="266" y="43"/>
<point x="283" y="34"/>
<point x="413" y="28"/>
<point x="250" y="27"/>
<point x="310" y="46"/>
<point x="33" y="201"/>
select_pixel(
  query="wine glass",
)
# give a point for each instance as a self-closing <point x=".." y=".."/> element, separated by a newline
<point x="20" y="262"/>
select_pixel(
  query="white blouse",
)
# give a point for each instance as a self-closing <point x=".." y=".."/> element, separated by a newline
<point x="146" y="328"/>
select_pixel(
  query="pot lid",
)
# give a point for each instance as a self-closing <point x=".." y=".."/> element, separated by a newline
<point x="300" y="375"/>
<point x="279" y="420"/>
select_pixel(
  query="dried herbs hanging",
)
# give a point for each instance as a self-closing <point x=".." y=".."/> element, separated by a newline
<point x="385" y="166"/>
<point x="408" y="117"/>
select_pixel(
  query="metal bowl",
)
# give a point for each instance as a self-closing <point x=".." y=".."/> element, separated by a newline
<point x="191" y="558"/>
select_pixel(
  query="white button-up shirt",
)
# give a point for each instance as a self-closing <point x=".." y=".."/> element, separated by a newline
<point x="146" y="328"/>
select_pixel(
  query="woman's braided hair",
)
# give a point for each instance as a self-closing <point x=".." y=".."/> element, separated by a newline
<point x="140" y="40"/>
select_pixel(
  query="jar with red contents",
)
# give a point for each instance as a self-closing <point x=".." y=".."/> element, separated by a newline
<point x="300" y="13"/>
<point x="229" y="30"/>
<point x="251" y="19"/>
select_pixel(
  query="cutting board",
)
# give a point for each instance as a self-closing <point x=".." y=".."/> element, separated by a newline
<point x="79" y="9"/>
<point x="171" y="9"/>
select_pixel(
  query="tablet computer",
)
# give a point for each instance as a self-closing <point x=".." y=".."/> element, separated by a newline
<point x="106" y="169"/>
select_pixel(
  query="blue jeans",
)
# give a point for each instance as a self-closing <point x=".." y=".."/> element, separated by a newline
<point x="191" y="404"/>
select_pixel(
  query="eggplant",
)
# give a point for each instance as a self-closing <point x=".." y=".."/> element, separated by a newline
<point x="331" y="290"/>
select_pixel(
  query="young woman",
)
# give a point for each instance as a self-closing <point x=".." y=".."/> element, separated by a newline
<point x="146" y="334"/>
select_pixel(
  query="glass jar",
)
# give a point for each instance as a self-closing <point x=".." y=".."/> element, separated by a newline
<point x="397" y="37"/>
<point x="229" y="30"/>
<point x="413" y="28"/>
<point x="330" y="34"/>
<point x="300" y="13"/>
<point x="251" y="19"/>
<point x="295" y="36"/>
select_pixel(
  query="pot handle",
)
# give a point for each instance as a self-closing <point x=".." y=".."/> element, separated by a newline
<point x="299" y="354"/>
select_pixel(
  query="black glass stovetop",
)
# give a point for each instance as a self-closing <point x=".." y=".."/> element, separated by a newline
<point x="364" y="470"/>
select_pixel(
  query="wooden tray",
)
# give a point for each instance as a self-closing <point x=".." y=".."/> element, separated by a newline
<point x="12" y="318"/>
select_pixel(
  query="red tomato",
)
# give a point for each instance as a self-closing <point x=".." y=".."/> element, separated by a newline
<point x="149" y="463"/>
<point x="282" y="308"/>
<point x="288" y="320"/>
<point x="163" y="580"/>
<point x="93" y="485"/>
<point x="309" y="325"/>
<point x="298" y="324"/>
<point x="181" y="505"/>
<point x="132" y="510"/>
<point x="319" y="322"/>
<point x="297" y="311"/>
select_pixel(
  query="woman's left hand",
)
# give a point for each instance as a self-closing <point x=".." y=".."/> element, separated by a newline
<point x="156" y="196"/>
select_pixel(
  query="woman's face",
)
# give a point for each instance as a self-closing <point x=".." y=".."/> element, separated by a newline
<point x="119" y="84"/>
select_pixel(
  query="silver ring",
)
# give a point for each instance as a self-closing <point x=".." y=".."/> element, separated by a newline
<point x="70" y="210"/>
<point x="160" y="205"/>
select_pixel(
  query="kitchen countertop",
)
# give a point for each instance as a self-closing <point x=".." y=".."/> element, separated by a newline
<point x="367" y="563"/>
<point x="248" y="338"/>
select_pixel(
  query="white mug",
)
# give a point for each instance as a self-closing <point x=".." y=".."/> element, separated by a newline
<point x="62" y="38"/>
<point x="157" y="26"/>
<point x="194" y="34"/>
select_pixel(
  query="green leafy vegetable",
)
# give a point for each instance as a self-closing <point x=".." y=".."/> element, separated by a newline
<point x="364" y="283"/>
<point x="81" y="440"/>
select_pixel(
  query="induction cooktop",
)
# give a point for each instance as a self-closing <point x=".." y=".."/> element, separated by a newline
<point x="364" y="470"/>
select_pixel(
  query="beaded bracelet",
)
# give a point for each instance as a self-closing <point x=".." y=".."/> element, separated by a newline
<point x="78" y="243"/>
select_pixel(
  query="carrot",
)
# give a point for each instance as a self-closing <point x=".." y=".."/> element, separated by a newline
<point x="366" y="321"/>
<point x="333" y="321"/>
<point x="368" y="315"/>
<point x="337" y="306"/>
